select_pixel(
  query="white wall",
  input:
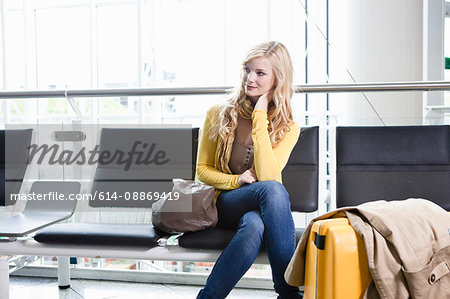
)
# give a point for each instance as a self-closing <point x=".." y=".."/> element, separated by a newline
<point x="384" y="42"/>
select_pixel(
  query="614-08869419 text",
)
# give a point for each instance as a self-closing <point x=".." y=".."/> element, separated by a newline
<point x="137" y="195"/>
<point x="56" y="196"/>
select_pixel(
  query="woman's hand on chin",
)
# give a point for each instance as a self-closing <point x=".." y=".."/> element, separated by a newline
<point x="262" y="102"/>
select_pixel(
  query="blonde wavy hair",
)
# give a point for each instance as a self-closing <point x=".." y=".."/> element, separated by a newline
<point x="279" y="110"/>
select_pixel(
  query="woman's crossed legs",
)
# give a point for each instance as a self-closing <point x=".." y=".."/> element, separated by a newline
<point x="260" y="211"/>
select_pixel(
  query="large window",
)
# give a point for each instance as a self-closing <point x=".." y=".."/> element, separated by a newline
<point x="150" y="43"/>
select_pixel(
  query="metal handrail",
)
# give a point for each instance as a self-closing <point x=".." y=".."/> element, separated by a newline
<point x="308" y="88"/>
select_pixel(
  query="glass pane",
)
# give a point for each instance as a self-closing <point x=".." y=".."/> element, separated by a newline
<point x="62" y="47"/>
<point x="117" y="45"/>
<point x="14" y="50"/>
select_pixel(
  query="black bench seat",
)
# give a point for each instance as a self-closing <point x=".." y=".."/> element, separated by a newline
<point x="139" y="235"/>
<point x="114" y="234"/>
<point x="216" y="238"/>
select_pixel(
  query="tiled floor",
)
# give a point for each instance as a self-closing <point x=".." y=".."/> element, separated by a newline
<point x="47" y="288"/>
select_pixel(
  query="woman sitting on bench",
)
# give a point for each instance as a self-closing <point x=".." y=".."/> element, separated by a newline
<point x="245" y="144"/>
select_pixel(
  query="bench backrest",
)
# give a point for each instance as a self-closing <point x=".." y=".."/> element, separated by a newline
<point x="123" y="185"/>
<point x="14" y="149"/>
<point x="393" y="163"/>
<point x="301" y="173"/>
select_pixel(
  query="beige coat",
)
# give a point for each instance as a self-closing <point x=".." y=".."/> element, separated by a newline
<point x="407" y="244"/>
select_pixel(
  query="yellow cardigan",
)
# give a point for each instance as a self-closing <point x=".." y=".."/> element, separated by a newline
<point x="268" y="161"/>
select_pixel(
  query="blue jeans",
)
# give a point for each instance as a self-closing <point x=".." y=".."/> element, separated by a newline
<point x="260" y="211"/>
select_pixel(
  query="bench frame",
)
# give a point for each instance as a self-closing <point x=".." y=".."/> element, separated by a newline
<point x="30" y="247"/>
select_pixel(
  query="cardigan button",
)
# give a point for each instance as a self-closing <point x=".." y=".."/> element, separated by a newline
<point x="432" y="278"/>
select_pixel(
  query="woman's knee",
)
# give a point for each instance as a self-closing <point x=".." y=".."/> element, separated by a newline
<point x="275" y="192"/>
<point x="252" y="226"/>
<point x="252" y="222"/>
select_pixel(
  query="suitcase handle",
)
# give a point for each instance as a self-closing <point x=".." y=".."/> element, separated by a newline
<point x="319" y="241"/>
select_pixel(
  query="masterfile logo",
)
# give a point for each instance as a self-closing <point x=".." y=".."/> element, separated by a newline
<point x="141" y="153"/>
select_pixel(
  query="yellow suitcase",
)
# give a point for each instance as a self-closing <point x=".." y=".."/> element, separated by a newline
<point x="336" y="263"/>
